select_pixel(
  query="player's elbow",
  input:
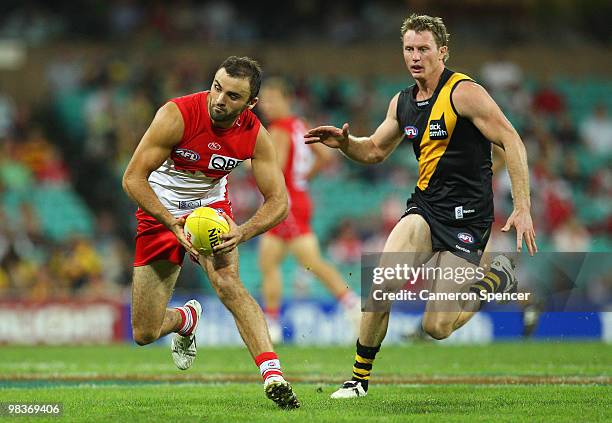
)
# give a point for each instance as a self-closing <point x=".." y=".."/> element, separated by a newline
<point x="283" y="207"/>
<point x="280" y="206"/>
<point x="284" y="214"/>
<point x="377" y="156"/>
<point x="132" y="181"/>
<point x="509" y="138"/>
<point x="124" y="183"/>
<point x="127" y="183"/>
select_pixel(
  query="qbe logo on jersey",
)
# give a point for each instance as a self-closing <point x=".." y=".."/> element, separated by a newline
<point x="219" y="162"/>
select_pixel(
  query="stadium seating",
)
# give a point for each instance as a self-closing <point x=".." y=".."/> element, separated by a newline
<point x="61" y="211"/>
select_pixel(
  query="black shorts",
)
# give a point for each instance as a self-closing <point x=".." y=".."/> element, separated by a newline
<point x="467" y="241"/>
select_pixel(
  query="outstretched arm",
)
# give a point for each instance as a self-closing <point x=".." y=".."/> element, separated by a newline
<point x="473" y="102"/>
<point x="271" y="183"/>
<point x="368" y="150"/>
<point x="154" y="148"/>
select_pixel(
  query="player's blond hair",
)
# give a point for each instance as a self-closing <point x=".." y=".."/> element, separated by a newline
<point x="435" y="25"/>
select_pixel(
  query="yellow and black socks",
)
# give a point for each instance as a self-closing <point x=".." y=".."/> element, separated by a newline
<point x="493" y="281"/>
<point x="364" y="357"/>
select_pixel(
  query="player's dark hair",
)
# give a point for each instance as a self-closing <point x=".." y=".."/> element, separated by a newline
<point x="421" y="23"/>
<point x="244" y="67"/>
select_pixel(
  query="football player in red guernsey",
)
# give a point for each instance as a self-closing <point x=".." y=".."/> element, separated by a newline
<point x="300" y="162"/>
<point x="182" y="163"/>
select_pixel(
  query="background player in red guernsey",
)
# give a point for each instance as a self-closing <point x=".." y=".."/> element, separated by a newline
<point x="182" y="163"/>
<point x="300" y="162"/>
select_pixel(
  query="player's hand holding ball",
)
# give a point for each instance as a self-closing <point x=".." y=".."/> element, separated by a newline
<point x="177" y="229"/>
<point x="230" y="239"/>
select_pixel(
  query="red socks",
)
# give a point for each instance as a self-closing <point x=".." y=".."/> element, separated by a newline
<point x="189" y="318"/>
<point x="269" y="365"/>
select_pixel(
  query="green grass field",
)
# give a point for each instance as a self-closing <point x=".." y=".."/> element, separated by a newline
<point x="425" y="382"/>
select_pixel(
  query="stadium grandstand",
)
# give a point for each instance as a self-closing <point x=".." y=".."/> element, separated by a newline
<point x="71" y="121"/>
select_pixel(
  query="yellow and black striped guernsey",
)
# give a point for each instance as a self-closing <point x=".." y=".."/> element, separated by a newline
<point x="454" y="184"/>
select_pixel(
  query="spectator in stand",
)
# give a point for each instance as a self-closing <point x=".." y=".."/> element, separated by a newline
<point x="501" y="74"/>
<point x="571" y="236"/>
<point x="7" y="115"/>
<point x="346" y="246"/>
<point x="549" y="101"/>
<point x="596" y="131"/>
<point x="565" y="132"/>
<point x="42" y="157"/>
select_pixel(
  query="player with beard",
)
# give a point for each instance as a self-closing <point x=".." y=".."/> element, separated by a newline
<point x="182" y="163"/>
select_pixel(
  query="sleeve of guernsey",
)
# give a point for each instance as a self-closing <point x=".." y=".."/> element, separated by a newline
<point x="189" y="107"/>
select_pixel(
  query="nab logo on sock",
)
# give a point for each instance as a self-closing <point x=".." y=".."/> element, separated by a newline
<point x="437" y="129"/>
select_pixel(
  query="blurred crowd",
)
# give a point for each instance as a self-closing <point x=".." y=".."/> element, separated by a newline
<point x="81" y="138"/>
<point x="341" y="22"/>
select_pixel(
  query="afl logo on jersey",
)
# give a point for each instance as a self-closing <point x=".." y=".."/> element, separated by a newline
<point x="214" y="146"/>
<point x="411" y="131"/>
<point x="465" y="238"/>
<point x="189" y="155"/>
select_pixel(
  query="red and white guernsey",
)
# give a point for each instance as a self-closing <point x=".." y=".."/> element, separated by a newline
<point x="300" y="160"/>
<point x="196" y="172"/>
<point x="300" y="157"/>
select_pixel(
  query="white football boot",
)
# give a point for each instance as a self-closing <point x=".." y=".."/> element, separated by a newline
<point x="279" y="390"/>
<point x="184" y="347"/>
<point x="350" y="389"/>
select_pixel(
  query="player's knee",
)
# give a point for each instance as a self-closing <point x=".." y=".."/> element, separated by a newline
<point x="414" y="237"/>
<point x="438" y="330"/>
<point x="144" y="336"/>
